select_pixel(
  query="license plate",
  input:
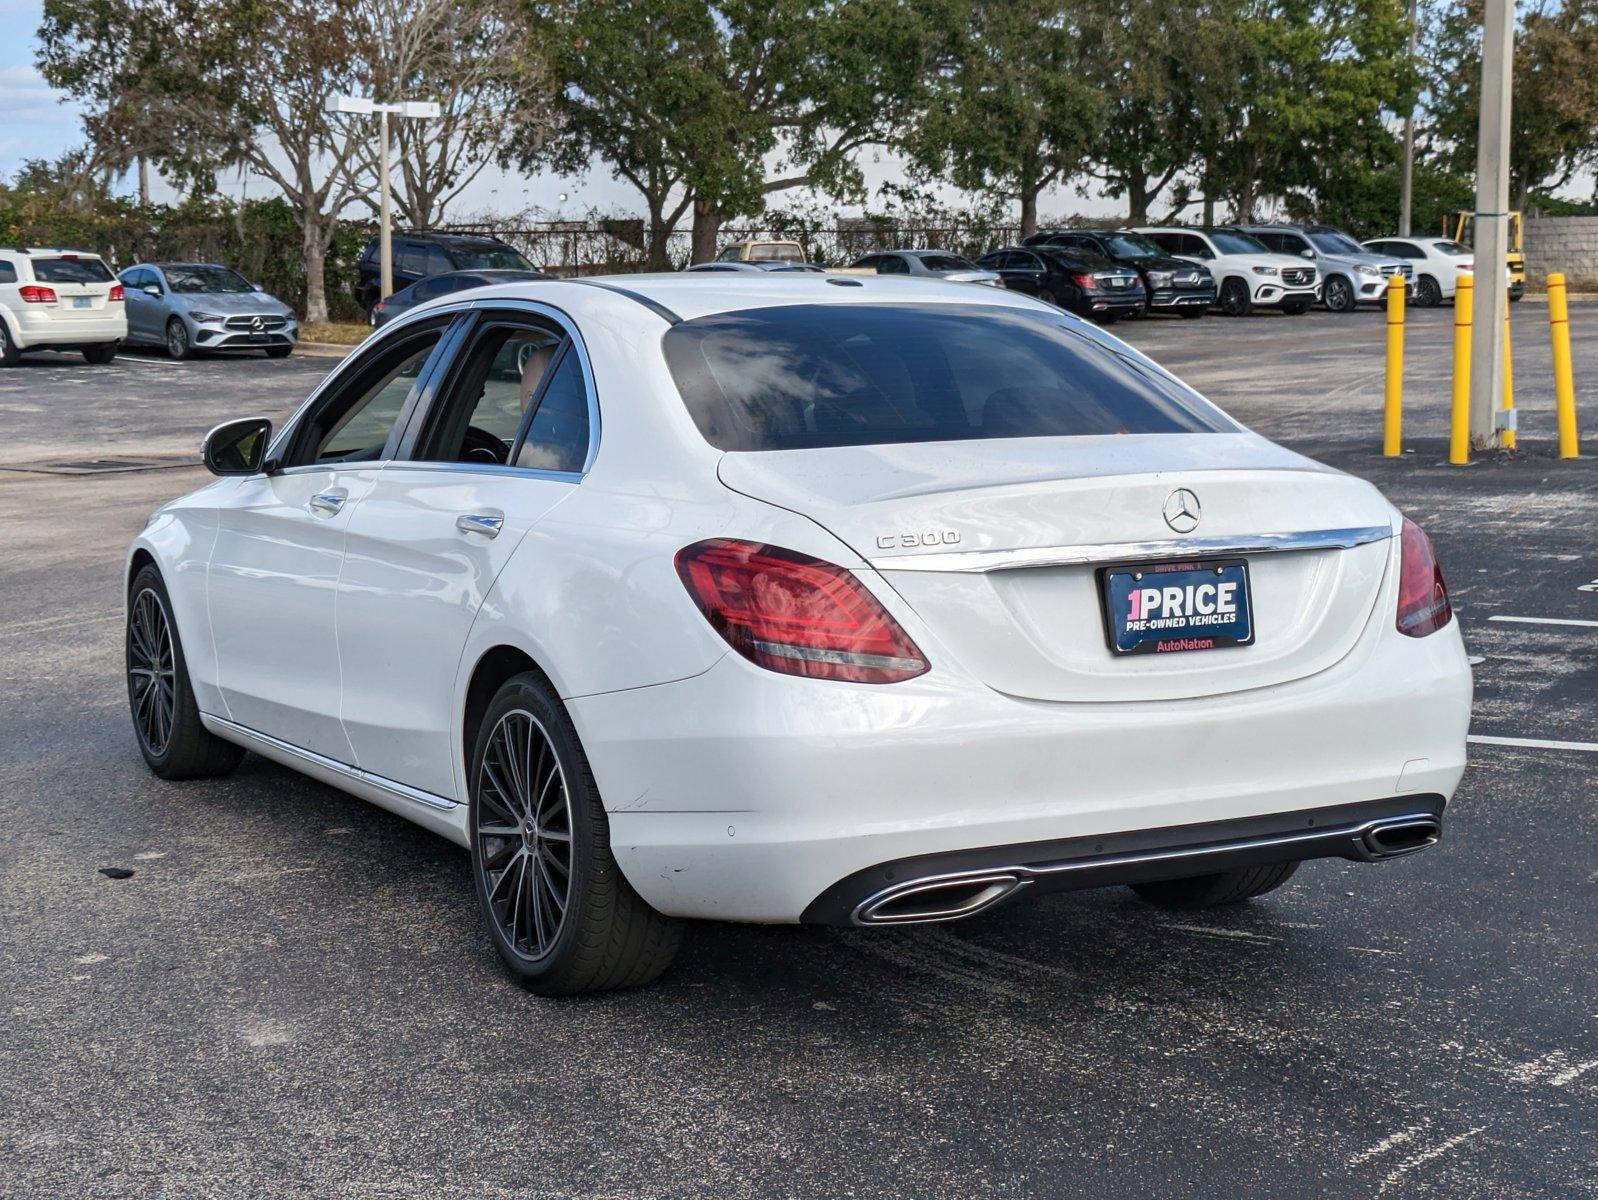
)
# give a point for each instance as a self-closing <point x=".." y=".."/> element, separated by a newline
<point x="1165" y="608"/>
<point x="83" y="302"/>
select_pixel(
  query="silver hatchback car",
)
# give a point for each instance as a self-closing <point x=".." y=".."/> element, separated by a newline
<point x="190" y="308"/>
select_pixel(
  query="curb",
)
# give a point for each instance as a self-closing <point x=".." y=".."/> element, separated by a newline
<point x="334" y="350"/>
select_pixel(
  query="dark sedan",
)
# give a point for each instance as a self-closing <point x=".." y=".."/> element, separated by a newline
<point x="1086" y="284"/>
<point x="435" y="286"/>
<point x="1171" y="284"/>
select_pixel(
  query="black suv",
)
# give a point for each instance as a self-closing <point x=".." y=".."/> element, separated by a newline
<point x="1086" y="284"/>
<point x="418" y="254"/>
<point x="1171" y="284"/>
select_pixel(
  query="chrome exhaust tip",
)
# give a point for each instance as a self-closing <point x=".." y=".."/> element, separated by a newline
<point x="1403" y="835"/>
<point x="925" y="900"/>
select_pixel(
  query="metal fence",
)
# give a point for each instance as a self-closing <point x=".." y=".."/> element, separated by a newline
<point x="609" y="246"/>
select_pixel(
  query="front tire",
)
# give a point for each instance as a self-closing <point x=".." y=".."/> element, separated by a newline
<point x="166" y="720"/>
<point x="178" y="345"/>
<point x="1235" y="299"/>
<point x="1340" y="295"/>
<point x="1223" y="887"/>
<point x="559" y="911"/>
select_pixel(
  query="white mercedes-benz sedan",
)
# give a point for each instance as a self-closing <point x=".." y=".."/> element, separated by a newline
<point x="841" y="600"/>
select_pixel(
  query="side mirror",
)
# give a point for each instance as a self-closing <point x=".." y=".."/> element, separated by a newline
<point x="256" y="287"/>
<point x="237" y="447"/>
<point x="1307" y="253"/>
<point x="152" y="289"/>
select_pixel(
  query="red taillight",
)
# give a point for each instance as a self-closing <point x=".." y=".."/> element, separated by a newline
<point x="1086" y="282"/>
<point x="792" y="613"/>
<point x="116" y="292"/>
<point x="32" y="293"/>
<point x="1422" y="595"/>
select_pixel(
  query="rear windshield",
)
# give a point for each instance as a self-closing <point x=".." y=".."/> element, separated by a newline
<point x="70" y="270"/>
<point x="812" y="376"/>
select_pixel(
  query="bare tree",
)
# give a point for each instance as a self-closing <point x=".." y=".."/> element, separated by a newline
<point x="471" y="57"/>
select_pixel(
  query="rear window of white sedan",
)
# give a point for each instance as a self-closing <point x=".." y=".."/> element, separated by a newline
<point x="815" y="376"/>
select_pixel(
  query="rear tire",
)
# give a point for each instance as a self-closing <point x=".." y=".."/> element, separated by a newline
<point x="166" y="721"/>
<point x="1223" y="887"/>
<point x="535" y="817"/>
<point x="10" y="356"/>
<point x="1427" y="292"/>
<point x="103" y="353"/>
<point x="1235" y="300"/>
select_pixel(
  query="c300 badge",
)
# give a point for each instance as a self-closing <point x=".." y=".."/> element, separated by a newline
<point x="913" y="541"/>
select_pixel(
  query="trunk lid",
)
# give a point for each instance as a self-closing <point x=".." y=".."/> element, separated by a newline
<point x="997" y="546"/>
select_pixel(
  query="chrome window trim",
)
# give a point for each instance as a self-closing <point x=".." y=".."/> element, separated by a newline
<point x="411" y="464"/>
<point x="1098" y="554"/>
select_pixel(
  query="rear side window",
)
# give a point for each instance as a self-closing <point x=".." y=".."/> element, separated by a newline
<point x="70" y="270"/>
<point x="811" y="376"/>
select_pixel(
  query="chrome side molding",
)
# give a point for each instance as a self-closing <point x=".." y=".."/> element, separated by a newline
<point x="1102" y="553"/>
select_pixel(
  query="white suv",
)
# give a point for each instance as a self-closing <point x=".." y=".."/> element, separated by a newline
<point x="59" y="300"/>
<point x="1247" y="273"/>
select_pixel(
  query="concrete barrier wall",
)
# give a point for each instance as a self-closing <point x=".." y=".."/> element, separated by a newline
<point x="1568" y="244"/>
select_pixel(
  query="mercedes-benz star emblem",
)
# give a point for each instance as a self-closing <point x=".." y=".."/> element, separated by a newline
<point x="1182" y="511"/>
<point x="257" y="324"/>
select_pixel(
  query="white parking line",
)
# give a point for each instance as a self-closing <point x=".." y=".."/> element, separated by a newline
<point x="1534" y="743"/>
<point x="1546" y="621"/>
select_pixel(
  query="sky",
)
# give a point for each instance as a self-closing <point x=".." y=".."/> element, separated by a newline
<point x="41" y="123"/>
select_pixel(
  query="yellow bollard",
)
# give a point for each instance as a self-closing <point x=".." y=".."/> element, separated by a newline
<point x="1459" y="436"/>
<point x="1393" y="420"/>
<point x="1564" y="384"/>
<point x="1506" y="435"/>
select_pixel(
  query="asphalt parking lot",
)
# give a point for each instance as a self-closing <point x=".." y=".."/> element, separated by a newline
<point x="291" y="994"/>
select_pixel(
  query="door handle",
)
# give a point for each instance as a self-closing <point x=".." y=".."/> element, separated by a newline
<point x="483" y="523"/>
<point x="328" y="502"/>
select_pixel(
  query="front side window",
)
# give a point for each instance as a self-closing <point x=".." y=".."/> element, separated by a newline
<point x="812" y="376"/>
<point x="498" y="384"/>
<point x="8" y="273"/>
<point x="354" y="423"/>
<point x="70" y="269"/>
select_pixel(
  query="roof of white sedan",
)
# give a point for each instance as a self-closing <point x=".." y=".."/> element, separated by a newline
<point x="686" y="295"/>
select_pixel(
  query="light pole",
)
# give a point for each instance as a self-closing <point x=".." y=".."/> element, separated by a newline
<point x="1406" y="198"/>
<point x="414" y="109"/>
<point x="1490" y="245"/>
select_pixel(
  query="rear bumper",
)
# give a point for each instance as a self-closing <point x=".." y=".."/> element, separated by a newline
<point x="740" y="794"/>
<point x="38" y="331"/>
<point x="944" y="887"/>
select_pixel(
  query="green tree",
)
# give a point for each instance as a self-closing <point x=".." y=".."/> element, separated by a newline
<point x="1312" y="82"/>
<point x="713" y="108"/>
<point x="1554" y="115"/>
<point x="1009" y="107"/>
